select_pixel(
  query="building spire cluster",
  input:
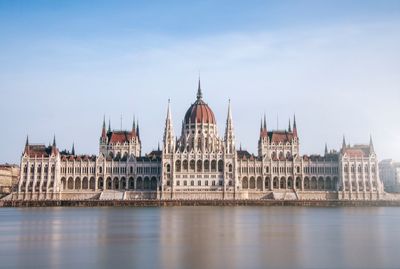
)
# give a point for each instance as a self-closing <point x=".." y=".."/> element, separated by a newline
<point x="201" y="164"/>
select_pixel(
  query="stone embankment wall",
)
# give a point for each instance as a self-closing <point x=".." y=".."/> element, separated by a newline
<point x="166" y="203"/>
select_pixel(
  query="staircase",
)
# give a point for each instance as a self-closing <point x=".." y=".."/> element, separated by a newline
<point x="286" y="195"/>
<point x="111" y="195"/>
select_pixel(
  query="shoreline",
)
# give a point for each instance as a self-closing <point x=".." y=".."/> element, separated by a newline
<point x="172" y="203"/>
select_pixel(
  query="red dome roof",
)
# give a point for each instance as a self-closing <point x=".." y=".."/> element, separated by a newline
<point x="199" y="112"/>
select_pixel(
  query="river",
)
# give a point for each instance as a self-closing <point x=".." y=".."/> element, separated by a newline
<point x="200" y="237"/>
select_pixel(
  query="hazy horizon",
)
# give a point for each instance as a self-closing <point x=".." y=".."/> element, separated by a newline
<point x="64" y="65"/>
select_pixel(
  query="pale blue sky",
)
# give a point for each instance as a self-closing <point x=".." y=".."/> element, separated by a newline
<point x="64" y="64"/>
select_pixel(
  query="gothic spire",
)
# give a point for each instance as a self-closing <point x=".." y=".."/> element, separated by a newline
<point x="229" y="118"/>
<point x="344" y="143"/>
<point x="103" y="130"/>
<point x="261" y="124"/>
<point x="326" y="149"/>
<point x="109" y="125"/>
<point x="54" y="141"/>
<point x="26" y="144"/>
<point x="137" y="129"/>
<point x="371" y="144"/>
<point x="265" y="122"/>
<point x="294" y="126"/>
<point x="133" y="124"/>
<point x="199" y="93"/>
<point x="168" y="131"/>
<point x="229" y="125"/>
<point x="290" y="127"/>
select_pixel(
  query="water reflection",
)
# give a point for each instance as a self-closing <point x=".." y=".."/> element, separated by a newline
<point x="200" y="237"/>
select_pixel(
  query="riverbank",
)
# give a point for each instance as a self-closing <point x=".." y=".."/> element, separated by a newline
<point x="167" y="203"/>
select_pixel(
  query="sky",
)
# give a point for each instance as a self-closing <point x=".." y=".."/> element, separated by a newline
<point x="64" y="65"/>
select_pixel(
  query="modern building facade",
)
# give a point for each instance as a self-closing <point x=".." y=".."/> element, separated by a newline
<point x="199" y="164"/>
<point x="389" y="171"/>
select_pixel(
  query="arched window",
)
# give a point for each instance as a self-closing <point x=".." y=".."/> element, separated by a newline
<point x="185" y="165"/>
<point x="178" y="166"/>
<point x="230" y="168"/>
<point x="192" y="165"/>
<point x="207" y="166"/>
<point x="245" y="183"/>
<point x="220" y="166"/>
<point x="213" y="166"/>
<point x="199" y="166"/>
<point x="168" y="168"/>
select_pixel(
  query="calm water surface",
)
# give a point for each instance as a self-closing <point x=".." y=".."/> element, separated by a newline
<point x="200" y="237"/>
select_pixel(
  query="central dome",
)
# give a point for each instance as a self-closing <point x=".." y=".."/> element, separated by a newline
<point x="199" y="112"/>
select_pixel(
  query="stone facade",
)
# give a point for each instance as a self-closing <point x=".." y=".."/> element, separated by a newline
<point x="9" y="174"/>
<point x="200" y="164"/>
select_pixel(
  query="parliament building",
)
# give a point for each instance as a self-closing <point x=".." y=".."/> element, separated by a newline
<point x="199" y="164"/>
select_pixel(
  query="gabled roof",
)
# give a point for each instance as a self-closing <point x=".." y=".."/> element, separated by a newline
<point x="120" y="136"/>
<point x="280" y="136"/>
<point x="357" y="151"/>
<point x="40" y="150"/>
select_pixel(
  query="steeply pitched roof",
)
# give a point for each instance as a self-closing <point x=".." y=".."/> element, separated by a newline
<point x="120" y="136"/>
<point x="280" y="136"/>
<point x="40" y="151"/>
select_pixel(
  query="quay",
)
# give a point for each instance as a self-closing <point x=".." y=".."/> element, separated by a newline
<point x="171" y="203"/>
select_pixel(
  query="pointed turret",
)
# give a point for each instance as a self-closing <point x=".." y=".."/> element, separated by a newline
<point x="199" y="93"/>
<point x="261" y="125"/>
<point x="137" y="130"/>
<point x="229" y="132"/>
<point x="265" y="123"/>
<point x="54" y="146"/>
<point x="73" y="148"/>
<point x="290" y="127"/>
<point x="26" y="149"/>
<point x="344" y="143"/>
<point x="371" y="145"/>
<point x="326" y="149"/>
<point x="294" y="126"/>
<point x="103" y="129"/>
<point x="169" y="131"/>
<point x="109" y="125"/>
<point x="133" y="125"/>
<point x="263" y="130"/>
